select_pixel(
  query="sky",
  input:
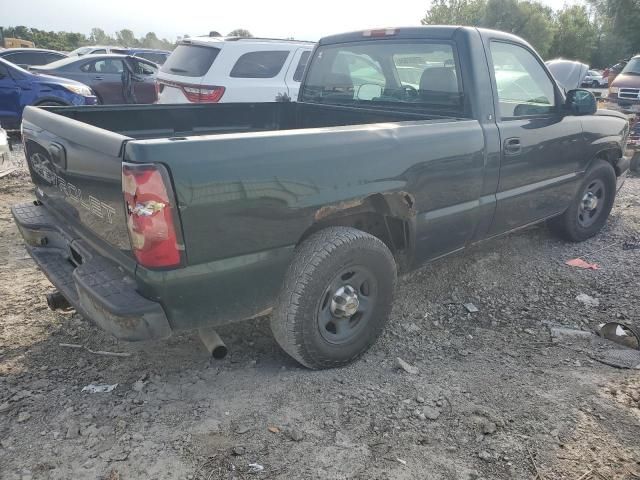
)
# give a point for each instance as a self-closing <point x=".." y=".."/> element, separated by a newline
<point x="267" y="18"/>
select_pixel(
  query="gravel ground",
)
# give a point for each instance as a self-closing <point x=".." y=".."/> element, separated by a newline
<point x="492" y="396"/>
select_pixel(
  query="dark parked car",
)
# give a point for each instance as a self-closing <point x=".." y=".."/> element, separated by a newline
<point x="19" y="88"/>
<point x="26" y="57"/>
<point x="151" y="219"/>
<point x="115" y="78"/>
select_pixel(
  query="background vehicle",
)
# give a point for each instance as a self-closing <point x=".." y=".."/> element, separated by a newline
<point x="192" y="216"/>
<point x="613" y="71"/>
<point x="232" y="69"/>
<point x="156" y="56"/>
<point x="93" y="50"/>
<point x="19" y="88"/>
<point x="25" y="57"/>
<point x="624" y="91"/>
<point x="595" y="79"/>
<point x="107" y="76"/>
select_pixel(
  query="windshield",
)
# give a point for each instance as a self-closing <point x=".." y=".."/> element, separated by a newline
<point x="407" y="76"/>
<point x="633" y="67"/>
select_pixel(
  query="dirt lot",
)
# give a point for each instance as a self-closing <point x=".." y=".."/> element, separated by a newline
<point x="494" y="397"/>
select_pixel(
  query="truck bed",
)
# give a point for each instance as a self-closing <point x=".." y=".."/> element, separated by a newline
<point x="160" y="121"/>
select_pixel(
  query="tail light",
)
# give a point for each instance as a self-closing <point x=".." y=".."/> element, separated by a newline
<point x="194" y="93"/>
<point x="152" y="218"/>
<point x="203" y="94"/>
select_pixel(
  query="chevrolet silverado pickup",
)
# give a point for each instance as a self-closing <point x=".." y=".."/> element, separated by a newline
<point x="405" y="145"/>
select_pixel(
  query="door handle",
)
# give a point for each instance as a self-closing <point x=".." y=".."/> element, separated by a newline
<point x="512" y="146"/>
<point x="98" y="78"/>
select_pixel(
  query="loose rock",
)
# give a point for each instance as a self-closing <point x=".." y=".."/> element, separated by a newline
<point x="407" y="367"/>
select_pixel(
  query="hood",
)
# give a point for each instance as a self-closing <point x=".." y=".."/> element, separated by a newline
<point x="568" y="74"/>
<point x="624" y="80"/>
<point x="611" y="113"/>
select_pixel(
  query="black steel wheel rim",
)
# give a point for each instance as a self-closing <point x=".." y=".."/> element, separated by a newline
<point x="346" y="305"/>
<point x="592" y="203"/>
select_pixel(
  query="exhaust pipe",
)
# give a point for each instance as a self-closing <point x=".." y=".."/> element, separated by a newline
<point x="213" y="343"/>
<point x="57" y="301"/>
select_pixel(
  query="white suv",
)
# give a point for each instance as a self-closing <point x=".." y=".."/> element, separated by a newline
<point x="233" y="69"/>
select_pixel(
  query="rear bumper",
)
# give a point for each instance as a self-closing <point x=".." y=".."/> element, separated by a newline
<point x="96" y="287"/>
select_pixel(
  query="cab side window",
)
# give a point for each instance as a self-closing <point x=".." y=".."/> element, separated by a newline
<point x="524" y="88"/>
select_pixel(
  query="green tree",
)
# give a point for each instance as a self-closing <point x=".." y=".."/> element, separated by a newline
<point x="455" y="12"/>
<point x="619" y="22"/>
<point x="240" y="32"/>
<point x="126" y="38"/>
<point x="575" y="35"/>
<point x="530" y="20"/>
<point x="99" y="37"/>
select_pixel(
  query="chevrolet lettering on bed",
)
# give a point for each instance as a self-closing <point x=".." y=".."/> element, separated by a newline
<point x="38" y="162"/>
<point x="405" y="145"/>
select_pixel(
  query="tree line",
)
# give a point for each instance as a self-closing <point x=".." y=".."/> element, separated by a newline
<point x="67" y="41"/>
<point x="599" y="33"/>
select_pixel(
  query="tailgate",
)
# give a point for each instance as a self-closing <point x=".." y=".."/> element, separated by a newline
<point x="77" y="170"/>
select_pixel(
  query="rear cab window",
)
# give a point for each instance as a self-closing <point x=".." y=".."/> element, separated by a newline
<point x="190" y="60"/>
<point x="261" y="64"/>
<point x="402" y="75"/>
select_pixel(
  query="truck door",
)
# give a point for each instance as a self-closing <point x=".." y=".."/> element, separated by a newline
<point x="296" y="70"/>
<point x="9" y="99"/>
<point x="541" y="146"/>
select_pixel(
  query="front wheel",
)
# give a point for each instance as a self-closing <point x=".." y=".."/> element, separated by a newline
<point x="336" y="297"/>
<point x="591" y="206"/>
<point x="595" y="84"/>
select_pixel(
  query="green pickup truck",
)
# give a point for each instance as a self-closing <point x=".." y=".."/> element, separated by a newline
<point x="405" y="145"/>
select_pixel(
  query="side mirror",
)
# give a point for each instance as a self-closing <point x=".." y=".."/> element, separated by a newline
<point x="368" y="91"/>
<point x="581" y="102"/>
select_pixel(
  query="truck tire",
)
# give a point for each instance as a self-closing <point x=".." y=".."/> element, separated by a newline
<point x="635" y="162"/>
<point x="336" y="297"/>
<point x="590" y="208"/>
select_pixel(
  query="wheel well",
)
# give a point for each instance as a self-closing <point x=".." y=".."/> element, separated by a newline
<point x="385" y="216"/>
<point x="611" y="157"/>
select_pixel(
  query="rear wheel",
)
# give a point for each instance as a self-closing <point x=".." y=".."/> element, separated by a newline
<point x="591" y="206"/>
<point x="336" y="297"/>
<point x="595" y="84"/>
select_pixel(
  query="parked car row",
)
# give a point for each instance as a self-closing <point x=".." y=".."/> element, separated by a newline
<point x="86" y="76"/>
<point x="233" y="69"/>
<point x="156" y="56"/>
<point x="19" y="88"/>
<point x="199" y="70"/>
